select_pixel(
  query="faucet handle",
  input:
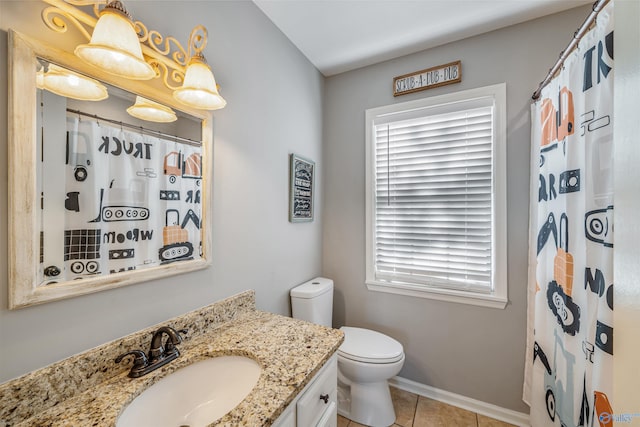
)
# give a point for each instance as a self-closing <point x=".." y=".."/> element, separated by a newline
<point x="139" y="358"/>
<point x="169" y="346"/>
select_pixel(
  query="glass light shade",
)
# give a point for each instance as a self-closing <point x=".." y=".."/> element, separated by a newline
<point x="114" y="47"/>
<point x="69" y="84"/>
<point x="146" y="109"/>
<point x="199" y="87"/>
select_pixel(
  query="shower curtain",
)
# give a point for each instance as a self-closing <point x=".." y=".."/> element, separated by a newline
<point x="569" y="359"/>
<point x="127" y="201"/>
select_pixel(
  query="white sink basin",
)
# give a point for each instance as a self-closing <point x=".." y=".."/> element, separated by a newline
<point x="195" y="395"/>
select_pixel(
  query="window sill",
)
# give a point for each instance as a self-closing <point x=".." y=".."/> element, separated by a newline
<point x="449" y="295"/>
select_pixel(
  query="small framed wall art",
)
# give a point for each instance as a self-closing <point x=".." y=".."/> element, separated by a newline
<point x="301" y="183"/>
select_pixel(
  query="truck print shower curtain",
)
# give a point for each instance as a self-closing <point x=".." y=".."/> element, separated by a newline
<point x="569" y="360"/>
<point x="126" y="201"/>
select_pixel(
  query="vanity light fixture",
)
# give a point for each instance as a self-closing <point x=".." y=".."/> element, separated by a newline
<point x="151" y="111"/>
<point x="199" y="89"/>
<point x="126" y="48"/>
<point x="114" y="45"/>
<point x="69" y="84"/>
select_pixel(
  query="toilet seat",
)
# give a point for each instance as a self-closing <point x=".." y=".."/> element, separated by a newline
<point x="367" y="346"/>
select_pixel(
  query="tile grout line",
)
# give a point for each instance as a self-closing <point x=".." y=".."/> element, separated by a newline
<point x="415" y="411"/>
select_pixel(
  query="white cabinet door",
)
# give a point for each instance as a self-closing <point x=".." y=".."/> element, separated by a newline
<point x="330" y="417"/>
<point x="316" y="405"/>
<point x="320" y="397"/>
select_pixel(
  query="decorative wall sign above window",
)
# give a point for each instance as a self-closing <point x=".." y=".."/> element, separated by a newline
<point x="437" y="76"/>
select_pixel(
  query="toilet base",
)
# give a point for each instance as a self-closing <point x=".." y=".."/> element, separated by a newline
<point x="367" y="403"/>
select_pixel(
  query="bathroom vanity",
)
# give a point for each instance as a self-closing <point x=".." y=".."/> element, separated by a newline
<point x="296" y="387"/>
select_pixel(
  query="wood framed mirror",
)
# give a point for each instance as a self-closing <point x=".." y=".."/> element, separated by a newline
<point x="99" y="199"/>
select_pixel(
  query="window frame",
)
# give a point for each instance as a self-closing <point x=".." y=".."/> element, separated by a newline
<point x="498" y="297"/>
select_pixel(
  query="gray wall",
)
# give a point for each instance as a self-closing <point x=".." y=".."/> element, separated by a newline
<point x="274" y="107"/>
<point x="473" y="351"/>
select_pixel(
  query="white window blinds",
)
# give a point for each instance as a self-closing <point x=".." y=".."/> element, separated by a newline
<point x="432" y="222"/>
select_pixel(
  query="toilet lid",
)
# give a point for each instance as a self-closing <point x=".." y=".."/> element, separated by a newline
<point x="364" y="345"/>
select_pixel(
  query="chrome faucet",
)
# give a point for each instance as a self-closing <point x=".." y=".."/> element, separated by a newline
<point x="159" y="354"/>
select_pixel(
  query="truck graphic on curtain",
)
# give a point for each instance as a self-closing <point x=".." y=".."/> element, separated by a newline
<point x="118" y="213"/>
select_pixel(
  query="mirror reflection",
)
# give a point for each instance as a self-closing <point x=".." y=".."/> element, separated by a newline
<point x="119" y="178"/>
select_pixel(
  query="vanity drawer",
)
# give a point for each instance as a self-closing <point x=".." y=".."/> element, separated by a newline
<point x="317" y="407"/>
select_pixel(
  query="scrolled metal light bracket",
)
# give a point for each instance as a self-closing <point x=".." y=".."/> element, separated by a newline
<point x="166" y="55"/>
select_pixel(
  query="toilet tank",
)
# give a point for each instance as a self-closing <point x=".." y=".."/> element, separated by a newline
<point x="313" y="301"/>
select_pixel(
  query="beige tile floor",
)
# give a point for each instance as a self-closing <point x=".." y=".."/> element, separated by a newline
<point x="418" y="411"/>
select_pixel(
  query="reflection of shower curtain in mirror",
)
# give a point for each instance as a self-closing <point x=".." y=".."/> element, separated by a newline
<point x="126" y="201"/>
<point x="569" y="360"/>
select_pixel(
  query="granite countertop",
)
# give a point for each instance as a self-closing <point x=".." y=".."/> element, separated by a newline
<point x="290" y="352"/>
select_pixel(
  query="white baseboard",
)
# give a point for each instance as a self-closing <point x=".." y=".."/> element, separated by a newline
<point x="473" y="405"/>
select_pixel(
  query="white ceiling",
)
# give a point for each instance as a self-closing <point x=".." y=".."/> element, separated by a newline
<point x="342" y="35"/>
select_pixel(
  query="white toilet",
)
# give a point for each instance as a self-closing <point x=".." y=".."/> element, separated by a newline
<point x="366" y="359"/>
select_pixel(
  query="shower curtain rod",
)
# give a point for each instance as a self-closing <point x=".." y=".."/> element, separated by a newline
<point x="597" y="7"/>
<point x="141" y="129"/>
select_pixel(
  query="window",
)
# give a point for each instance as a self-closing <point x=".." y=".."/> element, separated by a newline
<point x="436" y="197"/>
